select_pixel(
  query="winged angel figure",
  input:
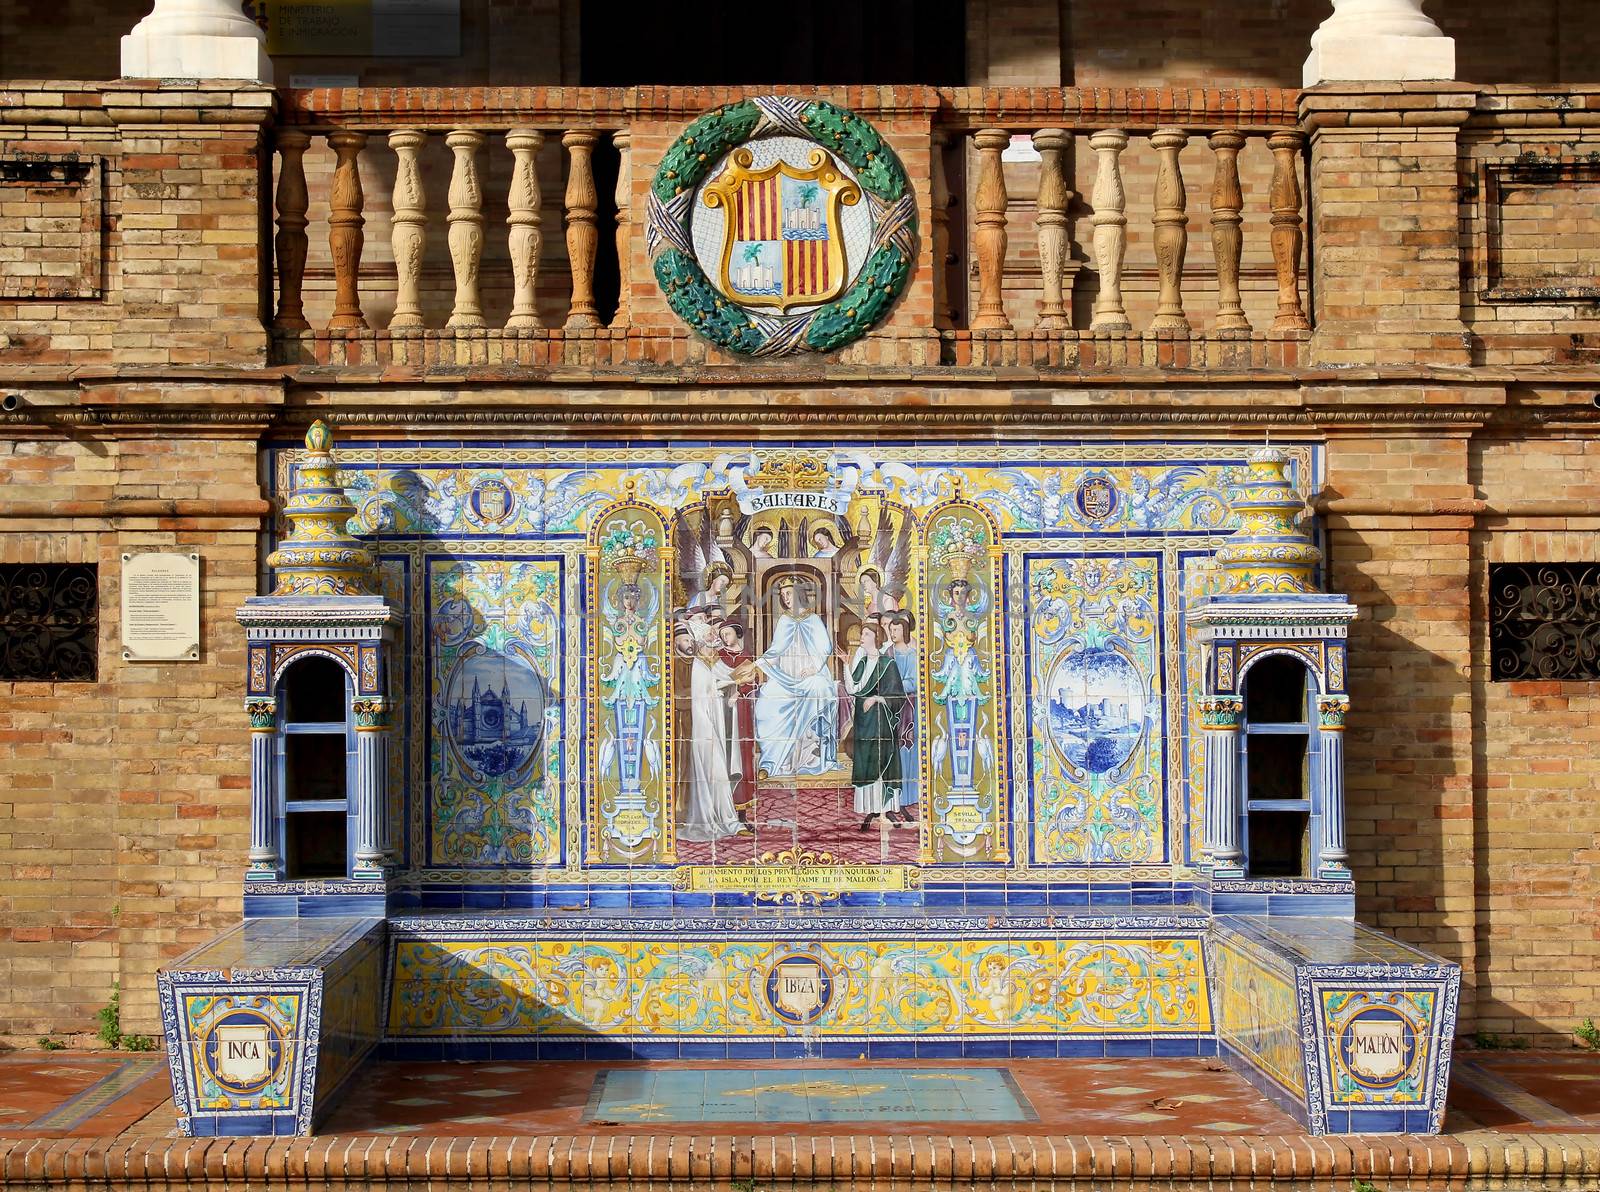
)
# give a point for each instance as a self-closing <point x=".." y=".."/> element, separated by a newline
<point x="704" y="570"/>
<point x="886" y="577"/>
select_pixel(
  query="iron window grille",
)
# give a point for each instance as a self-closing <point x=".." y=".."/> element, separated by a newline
<point x="49" y="622"/>
<point x="1544" y="621"/>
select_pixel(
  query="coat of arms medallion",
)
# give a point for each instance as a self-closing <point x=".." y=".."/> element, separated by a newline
<point x="781" y="225"/>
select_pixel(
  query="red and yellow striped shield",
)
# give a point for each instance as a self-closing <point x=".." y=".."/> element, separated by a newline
<point x="782" y="242"/>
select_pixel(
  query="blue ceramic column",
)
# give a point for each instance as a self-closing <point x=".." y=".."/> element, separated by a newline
<point x="1334" y="861"/>
<point x="372" y="737"/>
<point x="263" y="795"/>
<point x="1219" y="721"/>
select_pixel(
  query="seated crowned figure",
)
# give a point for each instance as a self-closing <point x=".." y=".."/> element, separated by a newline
<point x="796" y="709"/>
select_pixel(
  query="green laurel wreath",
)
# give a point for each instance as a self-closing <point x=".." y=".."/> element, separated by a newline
<point x="847" y="318"/>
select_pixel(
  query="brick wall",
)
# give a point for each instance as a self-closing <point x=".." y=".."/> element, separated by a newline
<point x="1536" y="763"/>
<point x="123" y="803"/>
<point x="182" y="265"/>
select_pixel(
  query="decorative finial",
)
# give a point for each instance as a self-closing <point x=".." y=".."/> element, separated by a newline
<point x="320" y="557"/>
<point x="1269" y="552"/>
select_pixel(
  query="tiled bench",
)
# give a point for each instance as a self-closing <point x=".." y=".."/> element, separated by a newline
<point x="777" y="984"/>
<point x="266" y="1023"/>
<point x="1346" y="1028"/>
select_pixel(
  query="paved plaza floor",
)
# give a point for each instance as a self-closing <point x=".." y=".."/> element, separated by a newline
<point x="105" y="1095"/>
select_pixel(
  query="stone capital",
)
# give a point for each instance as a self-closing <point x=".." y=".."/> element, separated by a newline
<point x="196" y="39"/>
<point x="1379" y="40"/>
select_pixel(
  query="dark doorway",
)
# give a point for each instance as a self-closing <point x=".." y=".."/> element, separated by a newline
<point x="716" y="42"/>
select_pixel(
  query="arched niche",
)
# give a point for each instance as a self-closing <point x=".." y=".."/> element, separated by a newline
<point x="316" y="766"/>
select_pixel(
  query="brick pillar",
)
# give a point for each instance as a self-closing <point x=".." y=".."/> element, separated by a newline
<point x="195" y="266"/>
<point x="1385" y="232"/>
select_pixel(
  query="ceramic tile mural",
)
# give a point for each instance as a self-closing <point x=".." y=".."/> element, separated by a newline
<point x="506" y="985"/>
<point x="494" y="730"/>
<point x="1095" y="694"/>
<point x="885" y="664"/>
<point x="1257" y="1014"/>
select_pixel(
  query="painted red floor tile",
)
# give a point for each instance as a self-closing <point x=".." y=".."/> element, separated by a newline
<point x="78" y="1095"/>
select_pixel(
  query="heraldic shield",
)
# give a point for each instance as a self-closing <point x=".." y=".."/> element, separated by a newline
<point x="782" y="244"/>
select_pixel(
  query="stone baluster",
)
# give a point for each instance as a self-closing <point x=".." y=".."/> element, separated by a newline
<point x="1288" y="235"/>
<point x="583" y="236"/>
<point x="263" y="789"/>
<point x="1110" y="222"/>
<point x="939" y="196"/>
<point x="409" y="230"/>
<point x="345" y="237"/>
<point x="1334" y="861"/>
<point x="291" y="243"/>
<point x="1227" y="237"/>
<point x="1171" y="221"/>
<point x="466" y="226"/>
<point x="989" y="206"/>
<point x="372" y="757"/>
<point x="523" y="216"/>
<point x="1219" y="722"/>
<point x="1054" y="199"/>
<point x="624" y="201"/>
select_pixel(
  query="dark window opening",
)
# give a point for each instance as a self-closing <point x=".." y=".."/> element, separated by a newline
<point x="314" y="766"/>
<point x="49" y="622"/>
<point x="1544" y="621"/>
<point x="1275" y="691"/>
<point x="1276" y="766"/>
<point x="885" y="42"/>
<point x="313" y="692"/>
<point x="1279" y="843"/>
<point x="314" y="844"/>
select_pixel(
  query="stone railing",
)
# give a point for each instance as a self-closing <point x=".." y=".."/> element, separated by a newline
<point x="484" y="226"/>
<point x="1111" y="163"/>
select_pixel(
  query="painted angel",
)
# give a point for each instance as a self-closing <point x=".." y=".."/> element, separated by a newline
<point x="884" y="579"/>
<point x="704" y="570"/>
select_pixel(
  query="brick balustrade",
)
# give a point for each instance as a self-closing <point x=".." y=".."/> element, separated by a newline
<point x="968" y="152"/>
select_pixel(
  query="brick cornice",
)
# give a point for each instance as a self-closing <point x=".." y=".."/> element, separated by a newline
<point x="1361" y="107"/>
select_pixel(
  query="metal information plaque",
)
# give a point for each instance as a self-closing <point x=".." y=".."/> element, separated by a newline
<point x="161" y="607"/>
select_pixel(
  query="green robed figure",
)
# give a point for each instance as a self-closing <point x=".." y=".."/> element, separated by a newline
<point x="873" y="680"/>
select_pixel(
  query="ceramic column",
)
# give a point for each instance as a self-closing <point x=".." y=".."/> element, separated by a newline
<point x="1288" y="229"/>
<point x="525" y="237"/>
<point x="1171" y="222"/>
<point x="1055" y="197"/>
<point x="1227" y="239"/>
<point x="1219" y="722"/>
<point x="372" y="739"/>
<point x="1110" y="220"/>
<point x="291" y="242"/>
<point x="263" y="793"/>
<point x="989" y="237"/>
<point x="345" y="235"/>
<point x="1334" y="860"/>
<point x="410" y="224"/>
<point x="465" y="234"/>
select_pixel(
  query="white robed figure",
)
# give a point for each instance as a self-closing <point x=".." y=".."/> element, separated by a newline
<point x="797" y="705"/>
<point x="709" y="813"/>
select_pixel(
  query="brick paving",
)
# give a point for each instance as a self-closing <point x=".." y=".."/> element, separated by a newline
<point x="1516" y="1120"/>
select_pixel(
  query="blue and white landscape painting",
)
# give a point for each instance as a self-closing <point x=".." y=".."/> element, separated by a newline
<point x="1096" y="709"/>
